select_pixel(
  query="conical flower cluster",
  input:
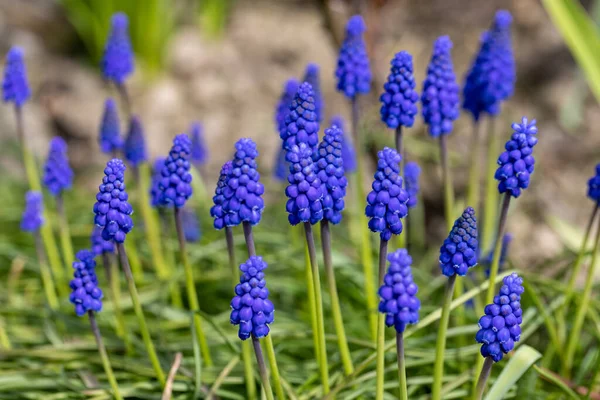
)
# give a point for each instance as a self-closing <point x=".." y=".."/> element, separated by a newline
<point x="117" y="63"/>
<point x="176" y="182"/>
<point x="15" y="88"/>
<point x="302" y="125"/>
<point x="32" y="218"/>
<point x="86" y="295"/>
<point x="411" y="179"/>
<point x="135" y="143"/>
<point x="348" y="153"/>
<point x="217" y="211"/>
<point x="58" y="175"/>
<point x="330" y="170"/>
<point x="312" y="76"/>
<point x="399" y="99"/>
<point x="459" y="251"/>
<point x="353" y="71"/>
<point x="283" y="106"/>
<point x="110" y="131"/>
<point x="199" y="154"/>
<point x="304" y="190"/>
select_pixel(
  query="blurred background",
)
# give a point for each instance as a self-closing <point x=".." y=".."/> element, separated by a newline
<point x="224" y="63"/>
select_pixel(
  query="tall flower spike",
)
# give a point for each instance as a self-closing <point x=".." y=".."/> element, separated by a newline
<point x="500" y="327"/>
<point x="243" y="191"/>
<point x="387" y="202"/>
<point x="594" y="186"/>
<point x="113" y="212"/>
<point x="353" y="71"/>
<point x="516" y="164"/>
<point x="304" y="191"/>
<point x="32" y="218"/>
<point x="440" y="90"/>
<point x="191" y="226"/>
<point x="459" y="251"/>
<point x="217" y="211"/>
<point x="301" y="122"/>
<point x="199" y="150"/>
<point x="117" y="63"/>
<point x="251" y="308"/>
<point x="15" y="88"/>
<point x="280" y="168"/>
<point x="311" y="75"/>
<point x="155" y="192"/>
<point x="399" y="99"/>
<point x="398" y="294"/>
<point x="110" y="132"/>
<point x="135" y="143"/>
<point x="86" y="295"/>
<point x="411" y="178"/>
<point x="492" y="76"/>
<point x="176" y="182"/>
<point x="58" y="175"/>
<point x="348" y="154"/>
<point x="283" y="106"/>
<point x="330" y="170"/>
<point x="99" y="245"/>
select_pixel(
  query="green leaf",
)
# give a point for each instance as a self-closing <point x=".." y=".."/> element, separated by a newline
<point x="550" y="377"/>
<point x="519" y="363"/>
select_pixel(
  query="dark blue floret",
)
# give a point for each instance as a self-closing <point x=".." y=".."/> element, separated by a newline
<point x="176" y="182"/>
<point x="312" y="76"/>
<point x="155" y="192"/>
<point x="199" y="149"/>
<point x="594" y="186"/>
<point x="110" y="131"/>
<point x="516" y="164"/>
<point x="135" y="143"/>
<point x="500" y="327"/>
<point x="281" y="167"/>
<point x="191" y="225"/>
<point x="99" y="245"/>
<point x="217" y="211"/>
<point x="15" y="88"/>
<point x="304" y="191"/>
<point x="459" y="251"/>
<point x="58" y="175"/>
<point x="398" y="294"/>
<point x="117" y="62"/>
<point x="330" y="170"/>
<point x="492" y="76"/>
<point x="251" y="308"/>
<point x="283" y="106"/>
<point x="348" y="154"/>
<point x="301" y="122"/>
<point x="411" y="179"/>
<point x="440" y="90"/>
<point x="353" y="71"/>
<point x="113" y="212"/>
<point x="86" y="295"/>
<point x="386" y="203"/>
<point x="399" y="99"/>
<point x="32" y="218"/>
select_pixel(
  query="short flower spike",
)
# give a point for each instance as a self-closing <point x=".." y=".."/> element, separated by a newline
<point x="110" y="132"/>
<point x="500" y="327"/>
<point x="99" y="245"/>
<point x="199" y="149"/>
<point x="113" y="211"/>
<point x="217" y="211"/>
<point x="32" y="218"/>
<point x="516" y="164"/>
<point x="135" y="143"/>
<point x="86" y="295"/>
<point x="312" y="76"/>
<point x="243" y="190"/>
<point x="348" y="153"/>
<point x="459" y="251"/>
<point x="304" y="192"/>
<point x="353" y="70"/>
<point x="283" y="106"/>
<point x="412" y="171"/>
<point x="117" y="63"/>
<point x="594" y="186"/>
<point x="399" y="99"/>
<point x="398" y="294"/>
<point x="176" y="182"/>
<point x="302" y="125"/>
<point x="387" y="202"/>
<point x="155" y="192"/>
<point x="15" y="88"/>
<point x="440" y="90"/>
<point x="191" y="225"/>
<point x="330" y="170"/>
<point x="58" y="175"/>
<point x="251" y="308"/>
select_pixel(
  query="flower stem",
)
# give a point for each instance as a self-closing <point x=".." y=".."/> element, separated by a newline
<point x="104" y="356"/>
<point x="398" y="141"/>
<point x="323" y="367"/>
<point x="383" y="248"/>
<point x="447" y="178"/>
<point x="112" y="276"/>
<point x="440" y="347"/>
<point x="401" y="366"/>
<point x="474" y="168"/>
<point x="65" y="235"/>
<point x="312" y="303"/>
<point x="491" y="192"/>
<point x="45" y="273"/>
<point x="262" y="368"/>
<point x="336" y="310"/>
<point x="498" y="248"/>
<point x="166" y="230"/>
<point x="274" y="368"/>
<point x="191" y="289"/>
<point x="483" y="377"/>
<point x="137" y="306"/>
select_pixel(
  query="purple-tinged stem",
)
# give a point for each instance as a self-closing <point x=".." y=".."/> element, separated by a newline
<point x="104" y="356"/>
<point x="355" y="118"/>
<point x="498" y="247"/>
<point x="249" y="239"/>
<point x="262" y="368"/>
<point x="380" y="370"/>
<point x="398" y="139"/>
<point x="124" y="94"/>
<point x="447" y="179"/>
<point x="483" y="377"/>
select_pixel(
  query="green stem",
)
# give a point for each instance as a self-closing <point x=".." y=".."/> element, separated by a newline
<point x="336" y="309"/>
<point x="4" y="340"/>
<point x="166" y="229"/>
<point x="65" y="235"/>
<point x="104" y="356"/>
<point x="483" y="377"/>
<point x="46" y="275"/>
<point x="274" y="368"/>
<point x="498" y="248"/>
<point x="447" y="178"/>
<point x="401" y="366"/>
<point x="135" y="262"/>
<point x="112" y="270"/>
<point x="137" y="306"/>
<point x="262" y="368"/>
<point x="191" y="290"/>
<point x="595" y="375"/>
<point x="440" y="347"/>
<point x="383" y="248"/>
<point x="312" y="304"/>
<point x="491" y="191"/>
<point x="474" y="168"/>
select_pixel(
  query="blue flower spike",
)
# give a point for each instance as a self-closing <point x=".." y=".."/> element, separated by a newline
<point x="32" y="218"/>
<point x="387" y="201"/>
<point x="199" y="150"/>
<point x="283" y="105"/>
<point x="135" y="143"/>
<point x="99" y="245"/>
<point x="251" y="308"/>
<point x="112" y="210"/>
<point x="304" y="192"/>
<point x="86" y="295"/>
<point x="311" y="75"/>
<point x="440" y="90"/>
<point x="399" y="99"/>
<point x="412" y="171"/>
<point x="155" y="192"/>
<point x="191" y="225"/>
<point x="15" y="87"/>
<point x="176" y="182"/>
<point x="217" y="211"/>
<point x="58" y="175"/>
<point x="348" y="153"/>
<point x="459" y="251"/>
<point x="117" y="62"/>
<point x="594" y="186"/>
<point x="353" y="70"/>
<point x="301" y="122"/>
<point x="110" y="131"/>
<point x="280" y="168"/>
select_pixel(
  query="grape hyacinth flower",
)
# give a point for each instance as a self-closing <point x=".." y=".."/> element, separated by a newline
<point x="305" y="203"/>
<point x="311" y="75"/>
<point x="117" y="62"/>
<point x="175" y="185"/>
<point x="217" y="211"/>
<point x="58" y="175"/>
<point x="412" y="171"/>
<point x="594" y="186"/>
<point x="191" y="226"/>
<point x="110" y="132"/>
<point x="155" y="192"/>
<point x="348" y="153"/>
<point x="135" y="143"/>
<point x="302" y="125"/>
<point x="353" y="71"/>
<point x="199" y="154"/>
<point x="15" y="87"/>
<point x="283" y="106"/>
<point x="86" y="295"/>
<point x="280" y="168"/>
<point x="32" y="218"/>
<point x="99" y="245"/>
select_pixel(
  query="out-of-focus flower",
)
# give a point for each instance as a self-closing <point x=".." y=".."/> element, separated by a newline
<point x="353" y="71"/>
<point x="176" y="182"/>
<point x="86" y="295"/>
<point x="135" y="144"/>
<point x="348" y="153"/>
<point x="411" y="179"/>
<point x="312" y="76"/>
<point x="117" y="63"/>
<point x="110" y="131"/>
<point x="32" y="218"/>
<point x="58" y="175"/>
<point x="15" y="88"/>
<point x="199" y="149"/>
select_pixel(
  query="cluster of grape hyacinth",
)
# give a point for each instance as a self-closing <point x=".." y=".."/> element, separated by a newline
<point x="330" y="170"/>
<point x="251" y="308"/>
<point x="594" y="186"/>
<point x="516" y="163"/>
<point x="440" y="90"/>
<point x="312" y="77"/>
<point x="199" y="154"/>
<point x="398" y="294"/>
<point x="304" y="191"/>
<point x="110" y="132"/>
<point x="500" y="327"/>
<point x="301" y="122"/>
<point x="32" y="218"/>
<point x="399" y="99"/>
<point x="353" y="71"/>
<point x="117" y="62"/>
<point x="112" y="210"/>
<point x="411" y="179"/>
<point x="387" y="202"/>
<point x="348" y="154"/>
<point x="175" y="184"/>
<point x="58" y="175"/>
<point x="86" y="295"/>
<point x="155" y="192"/>
<point x="99" y="245"/>
<point x="459" y="251"/>
<point x="135" y="143"/>
<point x="217" y="211"/>
<point x="15" y="88"/>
